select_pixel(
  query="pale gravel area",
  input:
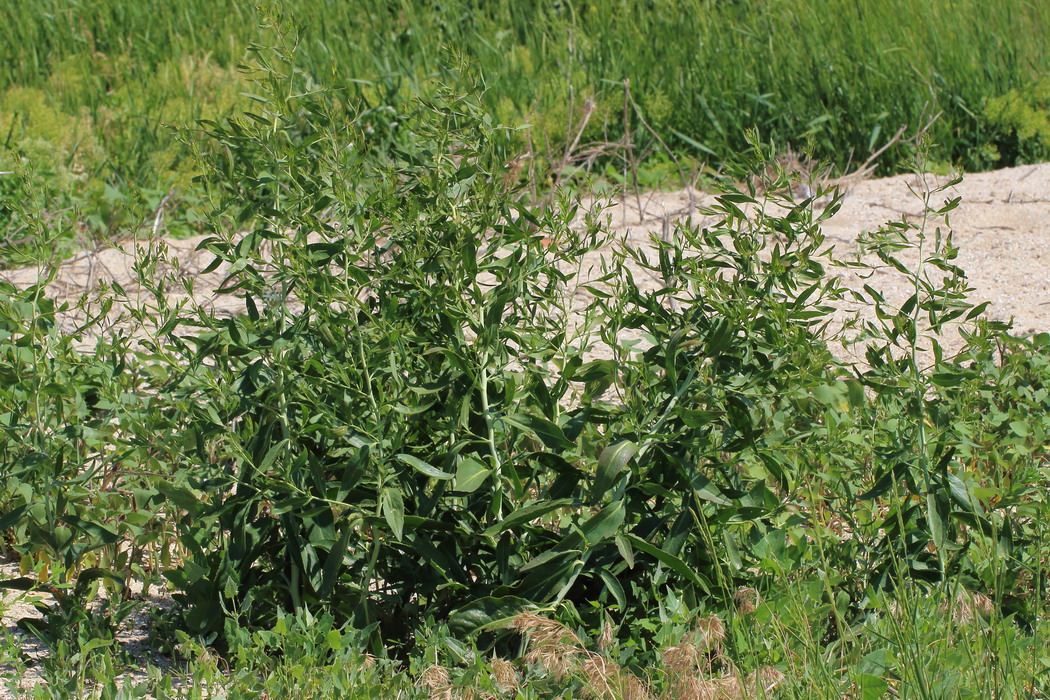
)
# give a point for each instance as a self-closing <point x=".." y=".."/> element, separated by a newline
<point x="1002" y="228"/>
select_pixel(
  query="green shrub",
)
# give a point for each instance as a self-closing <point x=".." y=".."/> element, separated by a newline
<point x="1022" y="116"/>
<point x="411" y="435"/>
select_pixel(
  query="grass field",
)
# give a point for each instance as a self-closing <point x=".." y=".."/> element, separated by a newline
<point x="414" y="467"/>
<point x="87" y="89"/>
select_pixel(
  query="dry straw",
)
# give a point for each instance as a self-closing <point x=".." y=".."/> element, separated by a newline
<point x="504" y="675"/>
<point x="438" y="682"/>
<point x="747" y="600"/>
<point x="969" y="607"/>
<point x="561" y="653"/>
<point x="689" y="665"/>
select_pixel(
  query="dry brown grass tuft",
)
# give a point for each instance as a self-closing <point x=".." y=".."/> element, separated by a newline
<point x="558" y="650"/>
<point x="747" y="600"/>
<point x="698" y="687"/>
<point x="438" y="683"/>
<point x="697" y="668"/>
<point x="683" y="659"/>
<point x="727" y="686"/>
<point x="969" y="607"/>
<point x="605" y="641"/>
<point x="710" y="633"/>
<point x="762" y="682"/>
<point x="504" y="674"/>
<point x="551" y="645"/>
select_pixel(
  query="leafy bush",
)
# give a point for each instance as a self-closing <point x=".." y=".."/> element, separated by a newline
<point x="1023" y="118"/>
<point x="403" y="426"/>
<point x="413" y="430"/>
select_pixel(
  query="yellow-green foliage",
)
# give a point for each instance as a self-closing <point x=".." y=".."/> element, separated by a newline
<point x="36" y="131"/>
<point x="196" y="88"/>
<point x="81" y="116"/>
<point x="559" y="112"/>
<point x="1026" y="112"/>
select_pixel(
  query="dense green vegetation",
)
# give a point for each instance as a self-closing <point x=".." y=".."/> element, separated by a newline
<point x="87" y="88"/>
<point x="410" y="469"/>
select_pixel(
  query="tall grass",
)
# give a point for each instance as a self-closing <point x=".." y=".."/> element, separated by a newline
<point x="86" y="87"/>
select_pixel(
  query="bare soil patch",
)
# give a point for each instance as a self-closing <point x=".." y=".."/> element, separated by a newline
<point x="1002" y="228"/>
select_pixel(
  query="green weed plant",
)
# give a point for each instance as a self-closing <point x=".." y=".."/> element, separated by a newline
<point x="409" y="447"/>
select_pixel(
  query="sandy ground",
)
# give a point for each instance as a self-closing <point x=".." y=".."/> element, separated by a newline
<point x="1002" y="228"/>
<point x="132" y="637"/>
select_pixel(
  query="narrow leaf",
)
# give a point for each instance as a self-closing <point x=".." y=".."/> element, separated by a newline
<point x="670" y="561"/>
<point x="547" y="432"/>
<point x="424" y="468"/>
<point x="611" y="462"/>
<point x="527" y="514"/>
<point x="394" y="511"/>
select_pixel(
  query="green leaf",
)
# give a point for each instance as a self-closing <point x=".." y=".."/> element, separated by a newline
<point x="705" y="489"/>
<point x="960" y="493"/>
<point x="526" y="514"/>
<point x="732" y="549"/>
<point x="424" y="468"/>
<point x="695" y="144"/>
<point x="670" y="561"/>
<point x="737" y="197"/>
<point x="490" y="612"/>
<point x="272" y="454"/>
<point x="833" y="395"/>
<point x="101" y="534"/>
<point x="547" y="432"/>
<point x="1020" y="428"/>
<point x="949" y="205"/>
<point x="549" y="573"/>
<point x="698" y="419"/>
<point x="394" y="511"/>
<point x="604" y="523"/>
<point x="614" y="587"/>
<point x="611" y="462"/>
<point x="12" y="517"/>
<point x="334" y="560"/>
<point x="470" y="474"/>
<point x="95" y="643"/>
<point x="933" y="517"/>
<point x="977" y="310"/>
<point x="22" y="583"/>
<point x="948" y="379"/>
<point x="595" y="371"/>
<point x="626" y="551"/>
<point x="872" y="687"/>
